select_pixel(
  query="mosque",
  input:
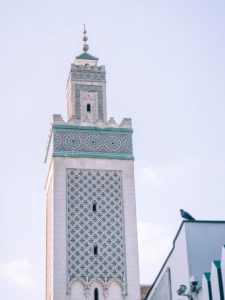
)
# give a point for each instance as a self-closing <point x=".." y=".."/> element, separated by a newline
<point x="91" y="226"/>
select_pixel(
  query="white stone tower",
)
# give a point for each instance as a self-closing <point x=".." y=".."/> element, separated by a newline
<point x="91" y="226"/>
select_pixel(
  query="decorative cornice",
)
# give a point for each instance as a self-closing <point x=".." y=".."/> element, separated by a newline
<point x="93" y="155"/>
<point x="88" y="76"/>
<point x="90" y="128"/>
<point x="80" y="138"/>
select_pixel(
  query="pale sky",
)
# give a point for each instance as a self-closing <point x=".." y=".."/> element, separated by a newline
<point x="165" y="63"/>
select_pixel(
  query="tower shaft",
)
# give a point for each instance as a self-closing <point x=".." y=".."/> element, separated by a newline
<point x="90" y="198"/>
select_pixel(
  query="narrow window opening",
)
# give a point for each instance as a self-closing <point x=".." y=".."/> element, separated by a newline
<point x="95" y="250"/>
<point x="96" y="294"/>
<point x="89" y="107"/>
<point x="94" y="207"/>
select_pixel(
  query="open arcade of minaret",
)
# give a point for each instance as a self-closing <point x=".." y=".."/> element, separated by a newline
<point x="91" y="228"/>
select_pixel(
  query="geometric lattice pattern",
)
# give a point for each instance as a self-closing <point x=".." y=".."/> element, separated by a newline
<point x="88" y="229"/>
<point x="81" y="141"/>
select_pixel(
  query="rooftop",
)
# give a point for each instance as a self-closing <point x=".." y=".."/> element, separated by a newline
<point x="87" y="56"/>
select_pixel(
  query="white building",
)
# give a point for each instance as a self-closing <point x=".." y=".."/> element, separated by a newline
<point x="194" y="268"/>
<point x="90" y="198"/>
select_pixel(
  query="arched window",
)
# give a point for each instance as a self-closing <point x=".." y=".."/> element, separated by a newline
<point x="95" y="250"/>
<point x="89" y="107"/>
<point x="96" y="294"/>
<point x="94" y="207"/>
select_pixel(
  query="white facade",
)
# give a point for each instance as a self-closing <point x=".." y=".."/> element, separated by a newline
<point x="195" y="257"/>
<point x="90" y="198"/>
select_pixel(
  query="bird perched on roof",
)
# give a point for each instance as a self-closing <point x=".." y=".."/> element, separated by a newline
<point x="186" y="215"/>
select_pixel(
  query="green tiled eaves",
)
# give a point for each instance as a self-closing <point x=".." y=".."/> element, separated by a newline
<point x="87" y="56"/>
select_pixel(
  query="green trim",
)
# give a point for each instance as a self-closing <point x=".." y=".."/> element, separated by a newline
<point x="93" y="155"/>
<point x="207" y="275"/>
<point x="90" y="128"/>
<point x="217" y="263"/>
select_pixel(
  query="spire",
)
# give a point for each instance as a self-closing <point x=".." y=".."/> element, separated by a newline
<point x="85" y="46"/>
<point x="85" y="57"/>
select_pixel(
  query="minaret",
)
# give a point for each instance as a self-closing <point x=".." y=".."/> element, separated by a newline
<point x="91" y="228"/>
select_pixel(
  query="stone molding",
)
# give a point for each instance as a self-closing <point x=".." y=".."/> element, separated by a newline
<point x="88" y="73"/>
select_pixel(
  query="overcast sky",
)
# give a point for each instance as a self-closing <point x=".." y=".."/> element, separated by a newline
<point x="165" y="67"/>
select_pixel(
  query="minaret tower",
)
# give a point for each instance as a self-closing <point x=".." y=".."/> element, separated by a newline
<point x="91" y="228"/>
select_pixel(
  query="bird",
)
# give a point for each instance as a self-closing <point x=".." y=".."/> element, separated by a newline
<point x="186" y="215"/>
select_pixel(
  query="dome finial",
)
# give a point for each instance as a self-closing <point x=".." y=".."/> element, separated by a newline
<point x="85" y="46"/>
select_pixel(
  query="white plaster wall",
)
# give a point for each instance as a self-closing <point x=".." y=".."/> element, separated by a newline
<point x="77" y="292"/>
<point x="203" y="292"/>
<point x="59" y="232"/>
<point x="197" y="245"/>
<point x="49" y="235"/>
<point x="60" y="164"/>
<point x="223" y="266"/>
<point x="215" y="283"/>
<point x="114" y="292"/>
<point x="203" y="246"/>
<point x="178" y="264"/>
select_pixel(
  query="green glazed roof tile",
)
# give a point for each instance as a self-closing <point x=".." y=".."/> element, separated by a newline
<point x="86" y="55"/>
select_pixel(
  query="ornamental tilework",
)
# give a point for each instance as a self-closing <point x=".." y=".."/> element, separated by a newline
<point x="88" y="141"/>
<point x="102" y="228"/>
<point x="88" y="88"/>
<point x="90" y="76"/>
